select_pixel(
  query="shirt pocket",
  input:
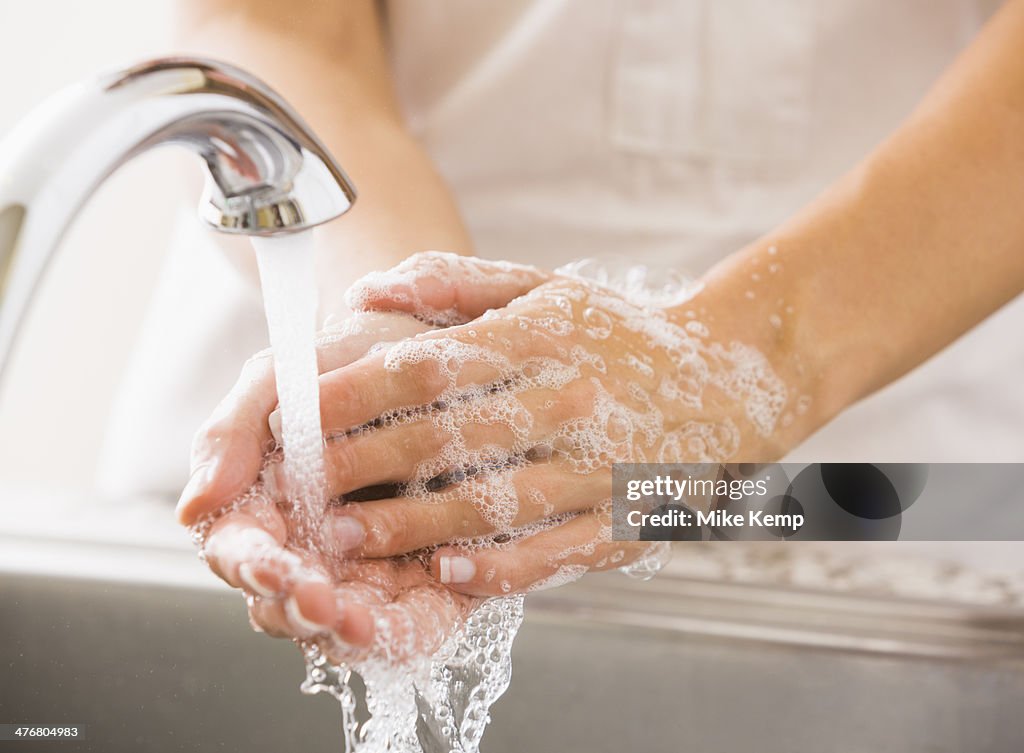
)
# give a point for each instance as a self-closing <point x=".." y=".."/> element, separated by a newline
<point x="721" y="80"/>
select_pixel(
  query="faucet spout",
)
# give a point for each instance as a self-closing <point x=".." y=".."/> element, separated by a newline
<point x="267" y="173"/>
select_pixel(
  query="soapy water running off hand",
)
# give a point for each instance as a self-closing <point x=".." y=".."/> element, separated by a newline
<point x="583" y="371"/>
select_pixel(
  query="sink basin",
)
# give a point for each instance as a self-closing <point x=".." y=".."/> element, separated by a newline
<point x="143" y="647"/>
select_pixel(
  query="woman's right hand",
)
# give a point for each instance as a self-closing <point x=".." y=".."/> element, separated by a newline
<point x="350" y="607"/>
<point x="229" y="450"/>
<point x="245" y="543"/>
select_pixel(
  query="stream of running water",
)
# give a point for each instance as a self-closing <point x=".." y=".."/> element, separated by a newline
<point x="426" y="704"/>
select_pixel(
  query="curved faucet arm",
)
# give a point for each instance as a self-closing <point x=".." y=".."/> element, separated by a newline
<point x="266" y="171"/>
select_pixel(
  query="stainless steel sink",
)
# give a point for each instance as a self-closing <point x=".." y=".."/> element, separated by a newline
<point x="156" y="662"/>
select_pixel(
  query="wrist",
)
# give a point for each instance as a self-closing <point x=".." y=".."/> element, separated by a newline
<point x="755" y="298"/>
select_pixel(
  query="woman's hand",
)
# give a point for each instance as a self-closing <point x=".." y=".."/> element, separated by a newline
<point x="351" y="608"/>
<point x="511" y="423"/>
<point x="228" y="452"/>
<point x="497" y="437"/>
<point x="387" y="606"/>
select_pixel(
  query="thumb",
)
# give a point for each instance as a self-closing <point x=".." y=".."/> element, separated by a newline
<point x="443" y="289"/>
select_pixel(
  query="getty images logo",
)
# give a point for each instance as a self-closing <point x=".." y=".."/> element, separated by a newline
<point x="835" y="501"/>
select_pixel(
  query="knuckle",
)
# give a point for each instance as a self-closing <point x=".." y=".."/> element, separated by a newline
<point x="427" y="260"/>
<point x="430" y="376"/>
<point x="533" y="498"/>
<point x="342" y="463"/>
<point x="223" y="428"/>
<point x="391" y="531"/>
<point x="509" y="578"/>
<point x="574" y="402"/>
<point x="580" y="397"/>
<point x="260" y="615"/>
<point x="339" y="397"/>
<point x="489" y="581"/>
<point x="257" y="365"/>
<point x="454" y="519"/>
<point x="215" y="428"/>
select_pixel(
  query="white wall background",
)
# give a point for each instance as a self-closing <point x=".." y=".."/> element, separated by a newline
<point x="55" y="397"/>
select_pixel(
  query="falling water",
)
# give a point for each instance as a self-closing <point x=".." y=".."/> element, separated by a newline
<point x="431" y="703"/>
<point x="289" y="299"/>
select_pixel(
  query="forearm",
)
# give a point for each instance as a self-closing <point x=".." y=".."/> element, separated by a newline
<point x="915" y="246"/>
<point x="339" y="81"/>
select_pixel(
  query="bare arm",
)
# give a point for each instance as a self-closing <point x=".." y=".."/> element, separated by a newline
<point x="329" y="61"/>
<point x="919" y="243"/>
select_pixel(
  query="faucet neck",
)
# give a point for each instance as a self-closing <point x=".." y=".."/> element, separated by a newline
<point x="266" y="171"/>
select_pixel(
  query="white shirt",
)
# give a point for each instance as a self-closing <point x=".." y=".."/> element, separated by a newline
<point x="671" y="131"/>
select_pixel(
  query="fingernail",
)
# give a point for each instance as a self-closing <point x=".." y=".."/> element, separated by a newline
<point x="457" y="569"/>
<point x="198" y="482"/>
<point x="248" y="577"/>
<point x="347" y="532"/>
<point x="274" y="421"/>
<point x="295" y="616"/>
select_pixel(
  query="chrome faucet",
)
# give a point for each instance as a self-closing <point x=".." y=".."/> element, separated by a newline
<point x="266" y="172"/>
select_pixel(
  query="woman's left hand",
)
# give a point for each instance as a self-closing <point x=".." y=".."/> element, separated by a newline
<point x="501" y="432"/>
